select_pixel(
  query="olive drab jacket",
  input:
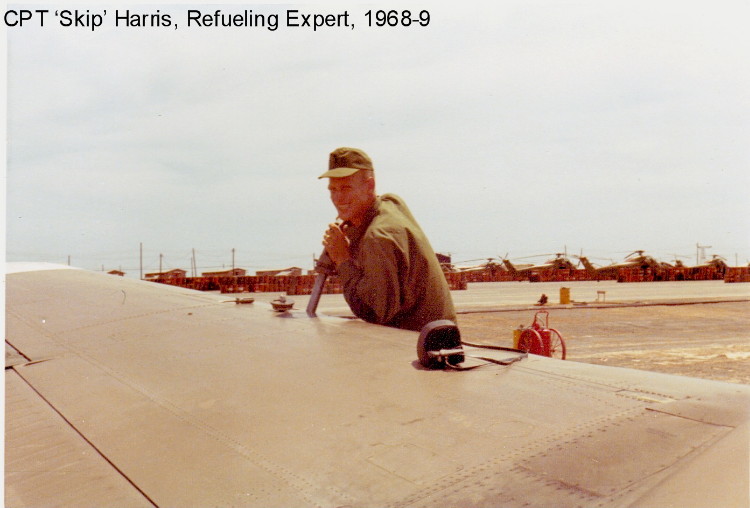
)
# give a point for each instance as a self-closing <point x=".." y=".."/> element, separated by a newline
<point x="393" y="277"/>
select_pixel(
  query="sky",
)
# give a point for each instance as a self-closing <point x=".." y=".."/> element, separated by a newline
<point x="511" y="128"/>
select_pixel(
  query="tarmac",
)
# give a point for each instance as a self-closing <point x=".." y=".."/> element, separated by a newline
<point x="692" y="328"/>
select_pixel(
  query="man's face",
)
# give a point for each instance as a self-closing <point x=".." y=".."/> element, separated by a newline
<point x="352" y="195"/>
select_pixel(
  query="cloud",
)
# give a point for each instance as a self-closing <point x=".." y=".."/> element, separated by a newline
<point x="511" y="126"/>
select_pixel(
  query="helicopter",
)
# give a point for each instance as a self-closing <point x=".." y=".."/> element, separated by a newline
<point x="635" y="259"/>
<point x="490" y="265"/>
<point x="714" y="268"/>
<point x="558" y="262"/>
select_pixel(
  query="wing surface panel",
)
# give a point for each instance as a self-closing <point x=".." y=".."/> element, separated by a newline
<point x="13" y="357"/>
<point x="47" y="462"/>
<point x="213" y="403"/>
<point x="728" y="485"/>
<point x="164" y="450"/>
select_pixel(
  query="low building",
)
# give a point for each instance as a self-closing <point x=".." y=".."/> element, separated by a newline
<point x="177" y="273"/>
<point x="235" y="272"/>
<point x="284" y="271"/>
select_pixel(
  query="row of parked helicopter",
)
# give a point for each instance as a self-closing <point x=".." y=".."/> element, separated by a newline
<point x="636" y="259"/>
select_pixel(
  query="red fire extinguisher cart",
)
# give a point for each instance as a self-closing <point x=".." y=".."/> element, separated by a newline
<point x="540" y="339"/>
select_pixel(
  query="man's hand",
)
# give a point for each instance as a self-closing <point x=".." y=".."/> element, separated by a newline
<point x="336" y="244"/>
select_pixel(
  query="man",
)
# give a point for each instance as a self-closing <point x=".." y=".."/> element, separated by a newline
<point x="387" y="267"/>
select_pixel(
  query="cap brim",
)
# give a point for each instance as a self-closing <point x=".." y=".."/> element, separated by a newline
<point x="338" y="173"/>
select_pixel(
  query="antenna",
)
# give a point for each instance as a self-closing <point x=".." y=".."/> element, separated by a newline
<point x="700" y="252"/>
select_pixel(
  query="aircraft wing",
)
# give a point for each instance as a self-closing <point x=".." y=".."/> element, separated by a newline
<point x="128" y="393"/>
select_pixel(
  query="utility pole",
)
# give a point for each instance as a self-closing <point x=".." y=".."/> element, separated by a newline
<point x="700" y="252"/>
<point x="161" y="256"/>
<point x="195" y="268"/>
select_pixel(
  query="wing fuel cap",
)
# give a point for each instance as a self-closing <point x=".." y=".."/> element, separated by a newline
<point x="439" y="342"/>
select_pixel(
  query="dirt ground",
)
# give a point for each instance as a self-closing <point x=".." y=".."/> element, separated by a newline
<point x="707" y="340"/>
